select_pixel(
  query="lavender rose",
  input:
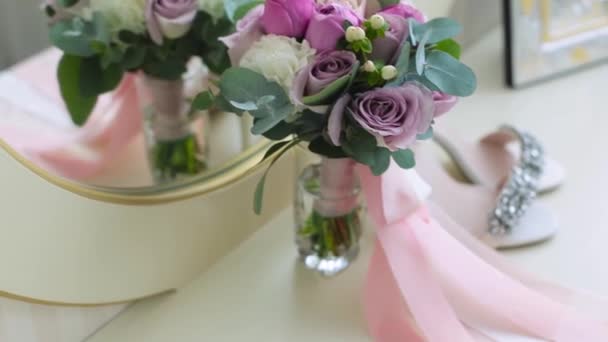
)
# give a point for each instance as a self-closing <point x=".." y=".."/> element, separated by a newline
<point x="395" y="116"/>
<point x="387" y="48"/>
<point x="405" y="11"/>
<point x="169" y="18"/>
<point x="443" y="102"/>
<point x="326" y="27"/>
<point x="326" y="69"/>
<point x="287" y="17"/>
<point x="248" y="31"/>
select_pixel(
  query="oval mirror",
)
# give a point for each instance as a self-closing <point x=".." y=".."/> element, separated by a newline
<point x="88" y="219"/>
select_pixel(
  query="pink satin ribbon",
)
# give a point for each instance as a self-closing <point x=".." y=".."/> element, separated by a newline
<point x="75" y="152"/>
<point x="428" y="282"/>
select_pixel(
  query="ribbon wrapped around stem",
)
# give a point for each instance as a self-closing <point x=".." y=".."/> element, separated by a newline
<point x="428" y="282"/>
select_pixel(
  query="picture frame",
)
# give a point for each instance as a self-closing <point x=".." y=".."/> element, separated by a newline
<point x="545" y="39"/>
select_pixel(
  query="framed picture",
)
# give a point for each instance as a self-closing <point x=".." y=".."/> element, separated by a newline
<point x="547" y="38"/>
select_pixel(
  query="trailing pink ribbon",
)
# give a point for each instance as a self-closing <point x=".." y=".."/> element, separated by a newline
<point x="432" y="283"/>
<point x="73" y="152"/>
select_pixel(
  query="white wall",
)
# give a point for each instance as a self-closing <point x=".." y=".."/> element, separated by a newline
<point x="23" y="30"/>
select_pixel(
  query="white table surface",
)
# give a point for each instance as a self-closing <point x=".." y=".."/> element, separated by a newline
<point x="259" y="292"/>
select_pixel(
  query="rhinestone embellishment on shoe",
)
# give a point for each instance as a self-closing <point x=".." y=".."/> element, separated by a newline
<point x="521" y="188"/>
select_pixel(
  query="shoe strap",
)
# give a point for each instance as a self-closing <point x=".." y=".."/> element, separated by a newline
<point x="521" y="188"/>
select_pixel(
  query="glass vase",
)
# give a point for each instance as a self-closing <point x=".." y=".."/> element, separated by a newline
<point x="329" y="216"/>
<point x="176" y="145"/>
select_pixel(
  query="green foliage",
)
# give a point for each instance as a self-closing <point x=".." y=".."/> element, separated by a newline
<point x="236" y="9"/>
<point x="426" y="135"/>
<point x="94" y="80"/>
<point x="78" y="105"/>
<point x="450" y="75"/>
<point x="80" y="38"/>
<point x="438" y="29"/>
<point x="241" y="86"/>
<point x="421" y="54"/>
<point x="363" y="147"/>
<point x="449" y="46"/>
<point x="67" y="3"/>
<point x="403" y="65"/>
<point x="363" y="47"/>
<point x="404" y="158"/>
<point x="278" y="152"/>
<point x="386" y="3"/>
<point x="203" y="101"/>
<point x="321" y="147"/>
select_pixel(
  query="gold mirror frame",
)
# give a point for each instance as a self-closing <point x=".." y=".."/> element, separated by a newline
<point x="227" y="174"/>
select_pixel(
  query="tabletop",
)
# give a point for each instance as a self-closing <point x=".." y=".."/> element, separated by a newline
<point x="259" y="290"/>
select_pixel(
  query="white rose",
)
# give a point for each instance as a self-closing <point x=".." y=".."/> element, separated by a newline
<point x="120" y="15"/>
<point x="214" y="7"/>
<point x="278" y="58"/>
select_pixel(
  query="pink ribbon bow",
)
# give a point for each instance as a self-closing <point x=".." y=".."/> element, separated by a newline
<point x="427" y="284"/>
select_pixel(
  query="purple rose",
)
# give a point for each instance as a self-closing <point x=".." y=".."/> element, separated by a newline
<point x="443" y="102"/>
<point x="405" y="11"/>
<point x="169" y="18"/>
<point x="326" y="27"/>
<point x="287" y="17"/>
<point x="387" y="48"/>
<point x="248" y="31"/>
<point x="394" y="115"/>
<point x="326" y="69"/>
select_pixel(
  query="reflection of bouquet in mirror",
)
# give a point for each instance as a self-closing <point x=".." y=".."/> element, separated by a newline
<point x="109" y="41"/>
<point x="355" y="89"/>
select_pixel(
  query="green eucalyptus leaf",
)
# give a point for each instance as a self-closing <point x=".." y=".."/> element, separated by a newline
<point x="67" y="3"/>
<point x="236" y="9"/>
<point x="386" y="3"/>
<point x="361" y="146"/>
<point x="321" y="147"/>
<point x="244" y="106"/>
<point x="449" y="46"/>
<point x="438" y="29"/>
<point x="225" y="106"/>
<point x="332" y="91"/>
<point x="403" y="65"/>
<point x="68" y="74"/>
<point x="203" y="101"/>
<point x="80" y="38"/>
<point x="404" y="158"/>
<point x="382" y="161"/>
<point x="275" y="148"/>
<point x="426" y="135"/>
<point x="258" y="197"/>
<point x="449" y="74"/>
<point x="95" y="80"/>
<point x="421" y="54"/>
<point x="133" y="58"/>
<point x="280" y="131"/>
<point x="241" y="85"/>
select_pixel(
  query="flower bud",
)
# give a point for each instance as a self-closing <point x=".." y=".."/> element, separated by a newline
<point x="369" y="66"/>
<point x="389" y="72"/>
<point x="377" y="21"/>
<point x="354" y="34"/>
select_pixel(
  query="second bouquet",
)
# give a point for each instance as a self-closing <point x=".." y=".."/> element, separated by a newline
<point x="151" y="42"/>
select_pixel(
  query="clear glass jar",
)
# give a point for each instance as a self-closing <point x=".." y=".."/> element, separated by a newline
<point x="329" y="215"/>
<point x="176" y="144"/>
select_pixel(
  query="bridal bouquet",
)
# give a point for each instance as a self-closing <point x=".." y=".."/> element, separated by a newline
<point x="356" y="88"/>
<point x="104" y="40"/>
